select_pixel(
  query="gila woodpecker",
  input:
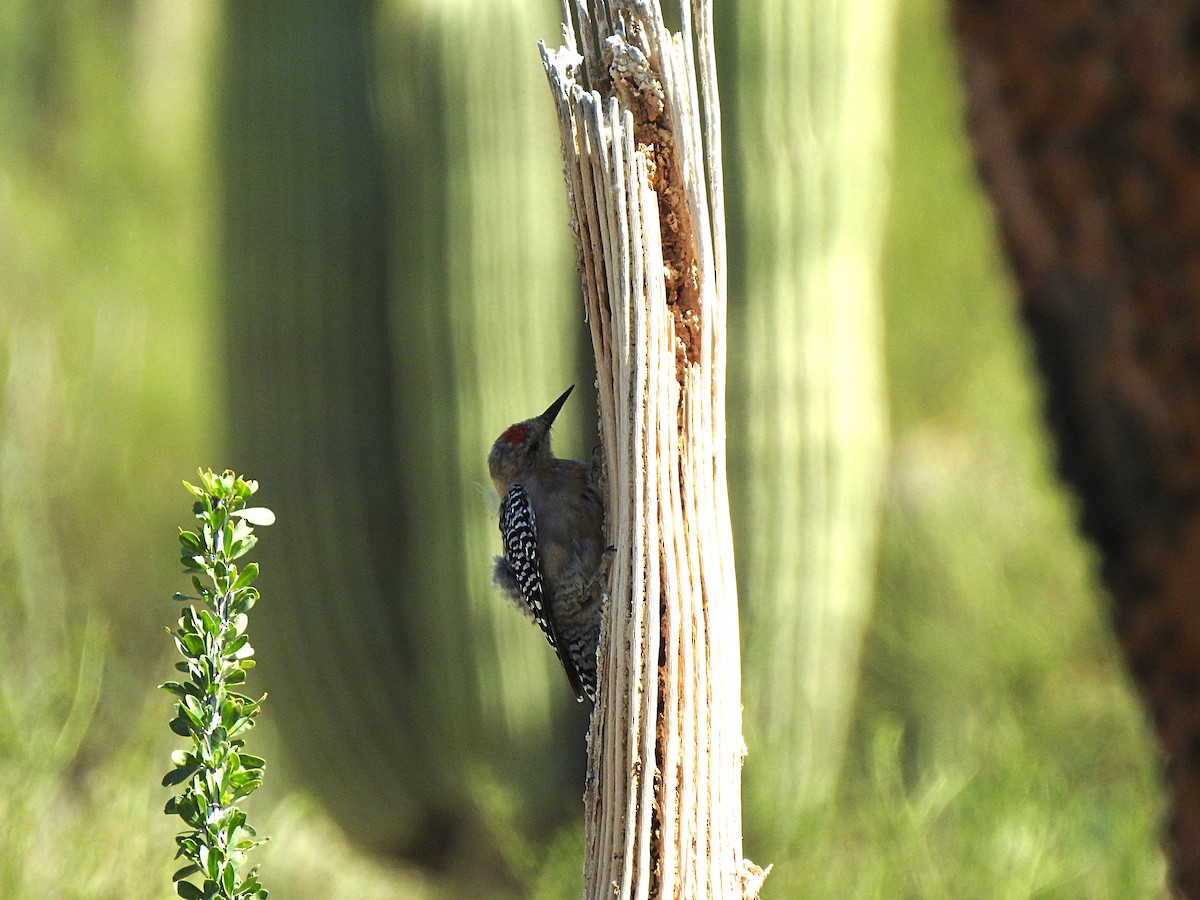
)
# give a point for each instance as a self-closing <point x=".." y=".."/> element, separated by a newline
<point x="552" y="528"/>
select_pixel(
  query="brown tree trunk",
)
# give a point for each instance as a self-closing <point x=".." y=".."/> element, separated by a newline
<point x="1085" y="120"/>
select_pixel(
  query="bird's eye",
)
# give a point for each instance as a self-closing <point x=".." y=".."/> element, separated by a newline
<point x="533" y="448"/>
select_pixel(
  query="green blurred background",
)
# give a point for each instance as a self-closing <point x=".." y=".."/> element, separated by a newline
<point x="326" y="245"/>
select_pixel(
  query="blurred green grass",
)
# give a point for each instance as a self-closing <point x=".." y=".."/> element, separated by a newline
<point x="997" y="750"/>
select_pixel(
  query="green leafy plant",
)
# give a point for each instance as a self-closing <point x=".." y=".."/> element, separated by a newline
<point x="216" y="773"/>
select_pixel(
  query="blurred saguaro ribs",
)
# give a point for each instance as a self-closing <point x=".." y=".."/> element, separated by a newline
<point x="1085" y="120"/>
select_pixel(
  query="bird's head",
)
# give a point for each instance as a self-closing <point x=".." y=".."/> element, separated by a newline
<point x="523" y="446"/>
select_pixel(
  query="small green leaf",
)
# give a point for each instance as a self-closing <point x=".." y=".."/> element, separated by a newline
<point x="246" y="576"/>
<point x="236" y="644"/>
<point x="211" y="859"/>
<point x="257" y="515"/>
<point x="189" y="811"/>
<point x="249" y="707"/>
<point x="190" y="709"/>
<point x="185" y="872"/>
<point x="246" y="788"/>
<point x="210" y="622"/>
<point x="188" y="891"/>
<point x="242" y="530"/>
<point x="230" y="713"/>
<point x="246" y="777"/>
<point x="244" y="546"/>
<point x="192" y="645"/>
<point x="179" y="776"/>
<point x="243" y="601"/>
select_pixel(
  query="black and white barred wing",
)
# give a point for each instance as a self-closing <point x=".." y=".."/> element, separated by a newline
<point x="519" y="572"/>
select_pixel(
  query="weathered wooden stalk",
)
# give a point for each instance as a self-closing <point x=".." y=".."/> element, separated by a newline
<point x="640" y="124"/>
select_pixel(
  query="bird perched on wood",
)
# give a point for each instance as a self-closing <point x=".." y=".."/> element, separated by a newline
<point x="552" y="528"/>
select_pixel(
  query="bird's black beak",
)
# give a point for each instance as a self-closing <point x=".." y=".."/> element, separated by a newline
<point x="549" y="415"/>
